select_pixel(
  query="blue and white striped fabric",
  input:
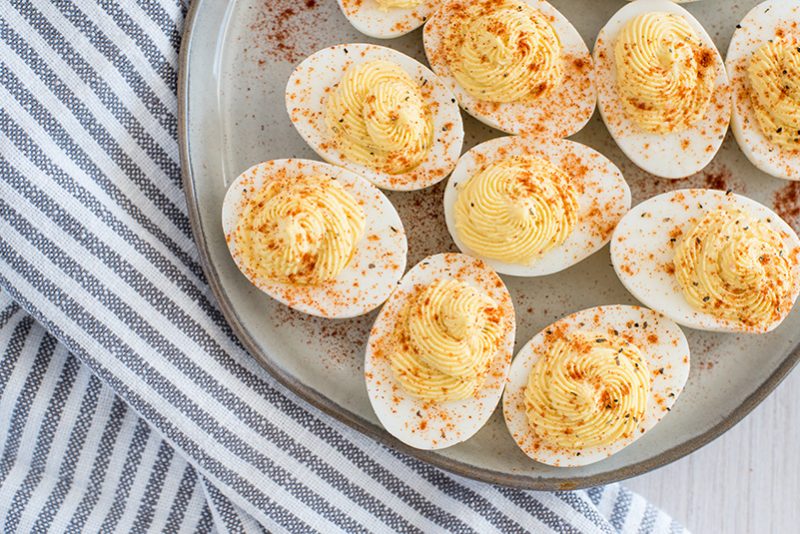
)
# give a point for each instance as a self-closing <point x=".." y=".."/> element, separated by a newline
<point x="126" y="402"/>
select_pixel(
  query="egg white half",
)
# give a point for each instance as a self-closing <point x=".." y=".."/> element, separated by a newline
<point x="642" y="251"/>
<point x="561" y="114"/>
<point x="373" y="272"/>
<point x="307" y="94"/>
<point x="671" y="155"/>
<point x="367" y="17"/>
<point x="603" y="197"/>
<point x="760" y="25"/>
<point x="427" y="424"/>
<point x="661" y="343"/>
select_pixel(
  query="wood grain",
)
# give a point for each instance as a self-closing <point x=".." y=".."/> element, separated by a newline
<point x="747" y="481"/>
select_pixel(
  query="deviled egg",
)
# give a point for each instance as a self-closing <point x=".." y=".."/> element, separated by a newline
<point x="377" y="112"/>
<point x="533" y="206"/>
<point x="663" y="91"/>
<point x="763" y="63"/>
<point x="386" y="19"/>
<point x="709" y="260"/>
<point x="516" y="65"/>
<point x="314" y="236"/>
<point x="594" y="382"/>
<point x="439" y="352"/>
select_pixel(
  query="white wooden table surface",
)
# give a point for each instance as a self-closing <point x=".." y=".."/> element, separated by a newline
<point x="747" y="481"/>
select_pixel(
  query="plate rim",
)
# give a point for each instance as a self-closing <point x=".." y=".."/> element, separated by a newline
<point x="323" y="403"/>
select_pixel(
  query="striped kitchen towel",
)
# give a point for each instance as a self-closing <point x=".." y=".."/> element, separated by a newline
<point x="126" y="402"/>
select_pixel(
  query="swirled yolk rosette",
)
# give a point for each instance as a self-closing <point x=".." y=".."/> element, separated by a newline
<point x="734" y="267"/>
<point x="300" y="230"/>
<point x="587" y="390"/>
<point x="386" y="5"/>
<point x="379" y="118"/>
<point x="504" y="51"/>
<point x="665" y="76"/>
<point x="774" y="77"/>
<point x="516" y="209"/>
<point x="446" y="337"/>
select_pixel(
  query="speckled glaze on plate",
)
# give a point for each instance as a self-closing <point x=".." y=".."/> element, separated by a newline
<point x="235" y="61"/>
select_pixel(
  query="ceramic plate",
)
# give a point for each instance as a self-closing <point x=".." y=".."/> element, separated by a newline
<point x="235" y="61"/>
